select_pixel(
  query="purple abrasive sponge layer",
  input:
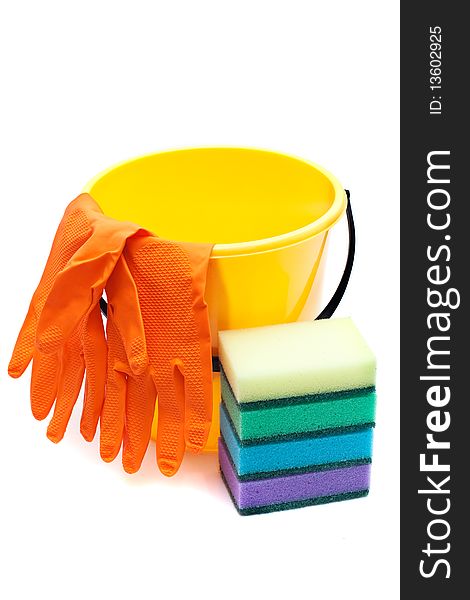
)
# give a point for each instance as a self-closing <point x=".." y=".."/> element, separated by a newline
<point x="293" y="491"/>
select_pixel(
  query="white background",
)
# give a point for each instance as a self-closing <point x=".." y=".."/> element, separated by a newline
<point x="85" y="84"/>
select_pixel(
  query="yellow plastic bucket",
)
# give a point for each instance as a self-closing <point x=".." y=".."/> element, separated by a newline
<point x="267" y="213"/>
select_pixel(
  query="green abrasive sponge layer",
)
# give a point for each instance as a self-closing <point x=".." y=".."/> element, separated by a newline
<point x="301" y="415"/>
<point x="296" y="359"/>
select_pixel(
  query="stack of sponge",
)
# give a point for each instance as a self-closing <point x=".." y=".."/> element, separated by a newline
<point x="298" y="408"/>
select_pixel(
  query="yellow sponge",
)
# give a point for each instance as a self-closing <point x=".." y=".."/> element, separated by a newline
<point x="296" y="359"/>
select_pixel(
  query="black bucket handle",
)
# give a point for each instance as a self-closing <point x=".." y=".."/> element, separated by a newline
<point x="332" y="305"/>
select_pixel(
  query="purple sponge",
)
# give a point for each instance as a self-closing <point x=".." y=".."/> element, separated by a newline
<point x="293" y="491"/>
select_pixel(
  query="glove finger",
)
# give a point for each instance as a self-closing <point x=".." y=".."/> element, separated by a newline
<point x="68" y="389"/>
<point x="124" y="309"/>
<point x="114" y="406"/>
<point x="140" y="409"/>
<point x="198" y="403"/>
<point x="170" y="431"/>
<point x="43" y="384"/>
<point x="24" y="347"/>
<point x="95" y="356"/>
<point x="113" y="415"/>
<point x="198" y="361"/>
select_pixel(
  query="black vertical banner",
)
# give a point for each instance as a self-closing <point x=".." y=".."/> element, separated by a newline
<point x="435" y="323"/>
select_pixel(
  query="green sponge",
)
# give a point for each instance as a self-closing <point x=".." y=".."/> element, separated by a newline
<point x="296" y="359"/>
<point x="301" y="415"/>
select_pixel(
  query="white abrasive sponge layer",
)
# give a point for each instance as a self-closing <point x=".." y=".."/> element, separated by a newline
<point x="296" y="359"/>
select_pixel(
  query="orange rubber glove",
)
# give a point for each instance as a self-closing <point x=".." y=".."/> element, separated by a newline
<point x="86" y="237"/>
<point x="170" y="279"/>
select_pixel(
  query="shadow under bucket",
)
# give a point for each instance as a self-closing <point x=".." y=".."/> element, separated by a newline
<point x="267" y="213"/>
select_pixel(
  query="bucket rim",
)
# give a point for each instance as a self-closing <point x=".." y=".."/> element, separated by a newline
<point x="316" y="227"/>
